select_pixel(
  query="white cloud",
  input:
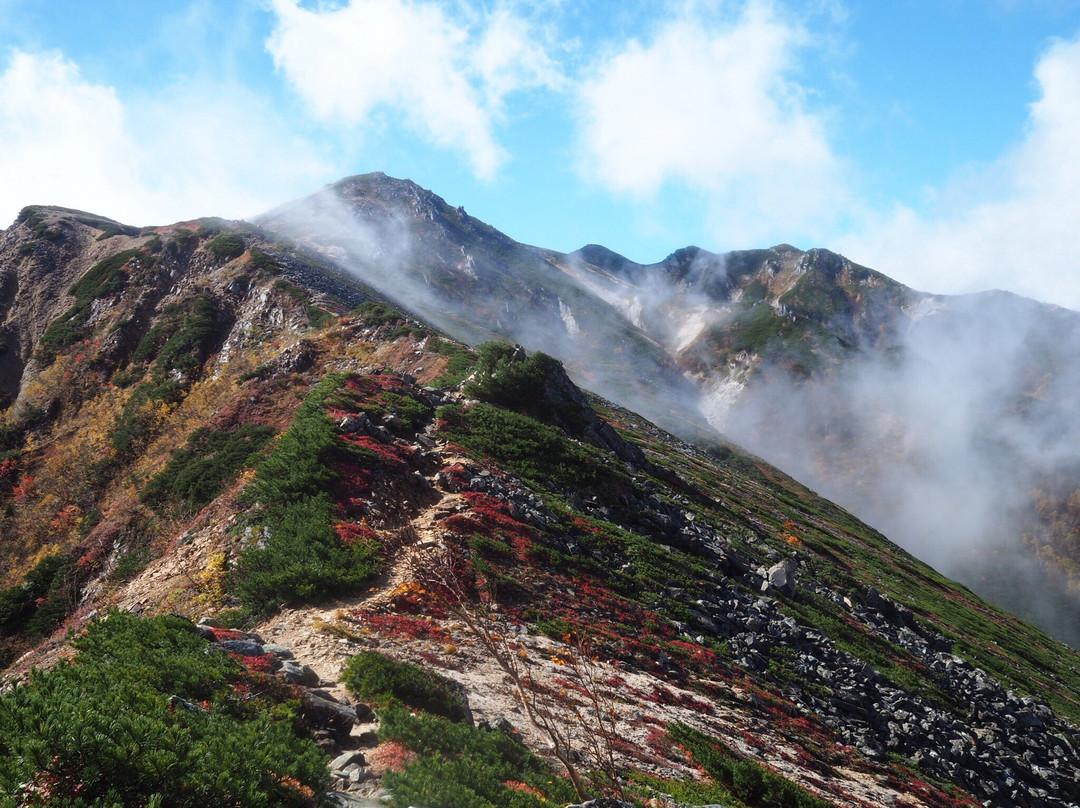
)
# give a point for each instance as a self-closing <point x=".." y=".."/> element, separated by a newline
<point x="1010" y="225"/>
<point x="62" y="139"/>
<point x="447" y="78"/>
<point x="178" y="153"/>
<point x="710" y="104"/>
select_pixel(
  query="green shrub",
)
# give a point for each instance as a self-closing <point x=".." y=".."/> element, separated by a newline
<point x="128" y="376"/>
<point x="108" y="227"/>
<point x="104" y="278"/>
<point x="264" y="261"/>
<point x="196" y="474"/>
<point x="524" y="445"/>
<point x="130" y="564"/>
<point x="45" y="597"/>
<point x="227" y="246"/>
<point x="301" y="557"/>
<point x="459" y="766"/>
<point x="505" y="378"/>
<point x="375" y="313"/>
<point x="301" y="560"/>
<point x="188" y="346"/>
<point x="144" y="716"/>
<point x="460" y="361"/>
<point x="749" y="781"/>
<point x="380" y="681"/>
<point x="62" y="332"/>
<point x="317" y="317"/>
<point x="758" y="328"/>
<point x="101" y="280"/>
<point x="179" y="342"/>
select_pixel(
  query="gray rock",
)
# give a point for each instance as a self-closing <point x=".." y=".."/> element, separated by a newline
<point x="327" y="714"/>
<point x="781" y="576"/>
<point x="341" y="799"/>
<point x="345" y="759"/>
<point x="296" y="674"/>
<point x="242" y="647"/>
<point x="184" y="704"/>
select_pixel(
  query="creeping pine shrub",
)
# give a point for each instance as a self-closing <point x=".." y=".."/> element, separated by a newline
<point x="374" y="313"/>
<point x="749" y="781"/>
<point x="38" y="605"/>
<point x="380" y="681"/>
<point x="523" y="444"/>
<point x="178" y="344"/>
<point x="101" y="280"/>
<point x="301" y="557"/>
<point x="459" y="766"/>
<point x="459" y="361"/>
<point x="503" y="377"/>
<point x="196" y="474"/>
<point x="144" y="716"/>
<point x="227" y="245"/>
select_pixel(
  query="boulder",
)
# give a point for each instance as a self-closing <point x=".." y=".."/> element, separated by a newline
<point x="327" y="714"/>
<point x="242" y="647"/>
<point x="781" y="576"/>
<point x="296" y="674"/>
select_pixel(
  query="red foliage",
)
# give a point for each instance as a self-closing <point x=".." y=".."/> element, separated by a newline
<point x="694" y="654"/>
<point x="353" y="533"/>
<point x="583" y="524"/>
<point x="65" y="519"/>
<point x="400" y="626"/>
<point x="257" y="664"/>
<point x="24" y="489"/>
<point x="457" y="478"/>
<point x="389" y="756"/>
<point x="514" y="785"/>
<point x="387" y="453"/>
<point x="8" y="468"/>
<point x="222" y="634"/>
<point x="660" y="742"/>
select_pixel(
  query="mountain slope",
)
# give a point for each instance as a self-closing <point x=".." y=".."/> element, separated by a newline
<point x="220" y="425"/>
<point x="947" y="422"/>
<point x="476" y="283"/>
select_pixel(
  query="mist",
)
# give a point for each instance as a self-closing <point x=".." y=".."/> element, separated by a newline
<point x="475" y="284"/>
<point x="940" y="440"/>
<point x="937" y="421"/>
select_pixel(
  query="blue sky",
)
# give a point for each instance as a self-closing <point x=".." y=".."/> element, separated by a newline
<point x="935" y="140"/>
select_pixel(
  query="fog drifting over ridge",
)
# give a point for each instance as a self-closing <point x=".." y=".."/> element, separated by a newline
<point x="934" y="421"/>
<point x="940" y="441"/>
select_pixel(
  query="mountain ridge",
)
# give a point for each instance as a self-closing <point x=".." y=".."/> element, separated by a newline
<point x="783" y="350"/>
<point x="715" y="592"/>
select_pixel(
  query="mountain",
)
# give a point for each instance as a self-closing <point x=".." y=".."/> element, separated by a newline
<point x="475" y="283"/>
<point x="948" y="422"/>
<point x="346" y="531"/>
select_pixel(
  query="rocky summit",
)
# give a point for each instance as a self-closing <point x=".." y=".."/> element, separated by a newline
<point x="272" y="535"/>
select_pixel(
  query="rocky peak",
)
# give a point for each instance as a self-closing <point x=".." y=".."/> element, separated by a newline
<point x="603" y="258"/>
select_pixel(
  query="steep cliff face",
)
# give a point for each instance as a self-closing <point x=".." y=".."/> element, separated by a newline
<point x="212" y="422"/>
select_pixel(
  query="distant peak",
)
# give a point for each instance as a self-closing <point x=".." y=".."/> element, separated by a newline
<point x="601" y="257"/>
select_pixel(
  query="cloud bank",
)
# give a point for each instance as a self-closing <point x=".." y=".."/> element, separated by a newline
<point x="185" y="151"/>
<point x="711" y="105"/>
<point x="1012" y="224"/>
<point x="447" y="78"/>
